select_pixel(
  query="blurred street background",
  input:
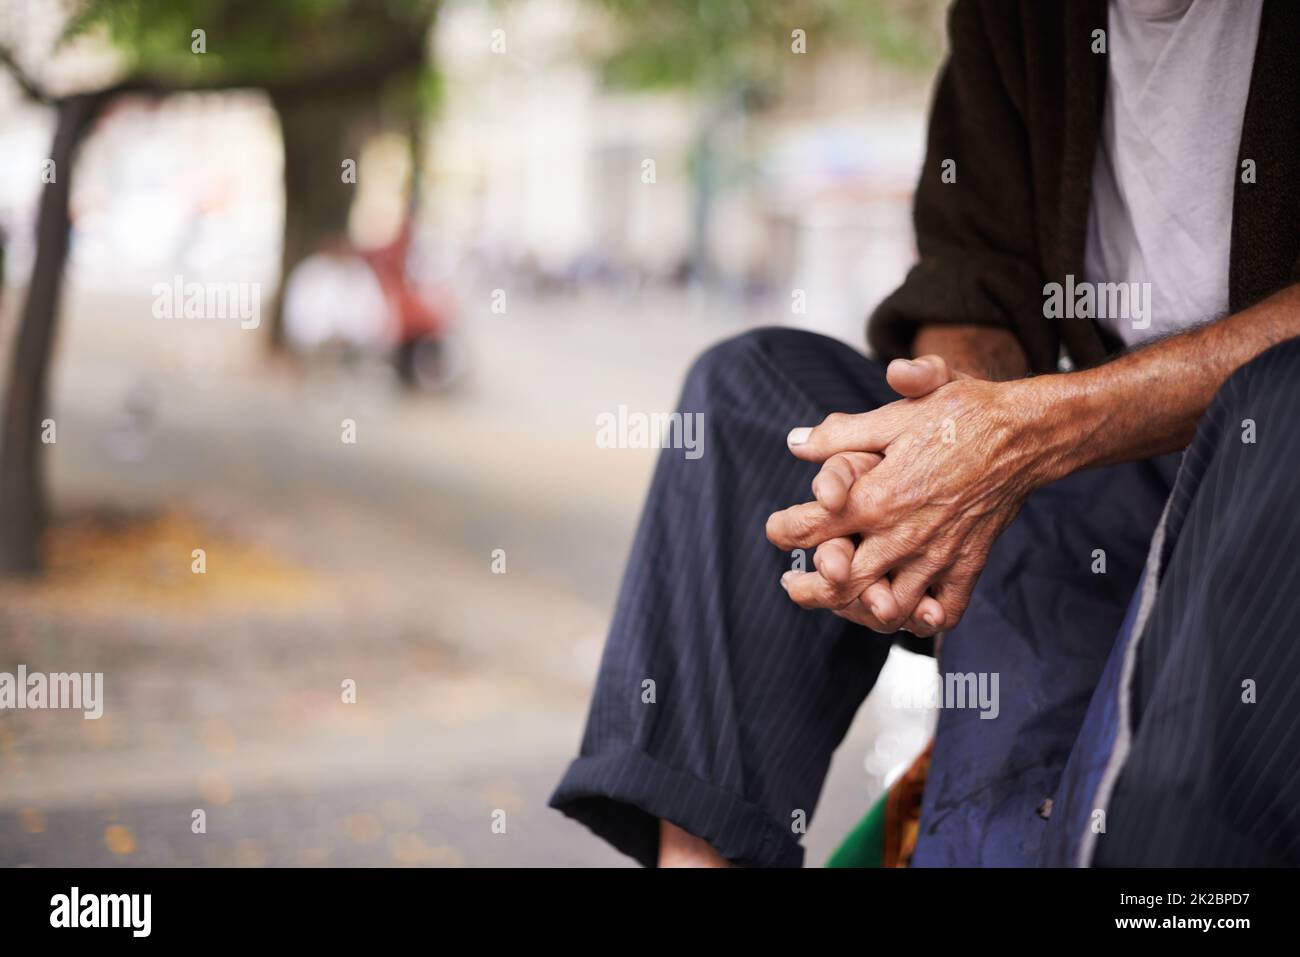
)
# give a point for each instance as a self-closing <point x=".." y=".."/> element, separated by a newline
<point x="554" y="206"/>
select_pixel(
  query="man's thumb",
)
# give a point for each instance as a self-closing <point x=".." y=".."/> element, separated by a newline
<point x="913" y="378"/>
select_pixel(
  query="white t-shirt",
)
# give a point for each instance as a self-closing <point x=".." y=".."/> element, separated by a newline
<point x="1166" y="167"/>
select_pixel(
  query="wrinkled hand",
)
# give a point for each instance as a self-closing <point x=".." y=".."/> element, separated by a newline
<point x="912" y="496"/>
<point x="876" y="608"/>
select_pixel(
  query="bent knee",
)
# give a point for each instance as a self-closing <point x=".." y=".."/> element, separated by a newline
<point x="742" y="360"/>
<point x="1271" y="376"/>
<point x="1249" y="427"/>
<point x="742" y="349"/>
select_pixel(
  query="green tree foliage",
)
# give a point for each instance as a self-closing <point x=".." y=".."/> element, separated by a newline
<point x="267" y="43"/>
<point x="746" y="44"/>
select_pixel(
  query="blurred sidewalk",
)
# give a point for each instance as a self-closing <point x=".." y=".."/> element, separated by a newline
<point x="327" y="562"/>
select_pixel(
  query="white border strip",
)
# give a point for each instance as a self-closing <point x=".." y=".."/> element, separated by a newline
<point x="1124" y="733"/>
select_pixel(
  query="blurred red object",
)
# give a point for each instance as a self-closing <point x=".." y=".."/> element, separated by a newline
<point x="415" y="315"/>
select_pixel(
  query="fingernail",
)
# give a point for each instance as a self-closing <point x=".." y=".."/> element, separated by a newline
<point x="907" y="362"/>
<point x="785" y="580"/>
<point x="929" y="619"/>
<point x="875" y="610"/>
<point x="798" y="436"/>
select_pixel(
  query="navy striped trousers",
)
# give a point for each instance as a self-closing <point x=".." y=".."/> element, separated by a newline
<point x="719" y="703"/>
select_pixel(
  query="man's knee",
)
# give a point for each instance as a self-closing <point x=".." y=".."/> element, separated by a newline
<point x="1267" y="387"/>
<point x="724" y="359"/>
<point x="755" y="362"/>
<point x="1249" y="432"/>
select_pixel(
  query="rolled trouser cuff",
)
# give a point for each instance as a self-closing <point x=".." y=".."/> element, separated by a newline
<point x="622" y="796"/>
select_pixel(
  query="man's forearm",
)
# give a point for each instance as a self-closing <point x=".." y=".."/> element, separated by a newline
<point x="1149" y="401"/>
<point x="985" y="352"/>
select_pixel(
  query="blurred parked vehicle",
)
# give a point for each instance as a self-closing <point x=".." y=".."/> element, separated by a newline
<point x="365" y="303"/>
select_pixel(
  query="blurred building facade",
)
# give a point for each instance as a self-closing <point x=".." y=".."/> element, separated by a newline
<point x="534" y="173"/>
<point x="534" y="164"/>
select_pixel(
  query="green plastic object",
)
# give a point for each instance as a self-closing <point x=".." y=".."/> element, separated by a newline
<point x="865" y="844"/>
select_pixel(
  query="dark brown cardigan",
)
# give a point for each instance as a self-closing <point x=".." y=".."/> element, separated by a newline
<point x="1018" y="106"/>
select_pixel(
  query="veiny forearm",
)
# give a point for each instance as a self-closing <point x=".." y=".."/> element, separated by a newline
<point x="1148" y="402"/>
<point x="985" y="352"/>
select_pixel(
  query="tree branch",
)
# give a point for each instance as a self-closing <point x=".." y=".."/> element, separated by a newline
<point x="31" y="89"/>
<point x="356" y="77"/>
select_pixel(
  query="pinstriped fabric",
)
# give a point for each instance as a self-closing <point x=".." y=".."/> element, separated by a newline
<point x="1212" y="777"/>
<point x="752" y="694"/>
<point x="1045" y="620"/>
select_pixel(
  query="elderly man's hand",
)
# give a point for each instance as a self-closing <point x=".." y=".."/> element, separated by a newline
<point x="876" y="608"/>
<point x="924" y="486"/>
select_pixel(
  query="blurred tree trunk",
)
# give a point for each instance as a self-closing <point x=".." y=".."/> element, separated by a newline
<point x="703" y="187"/>
<point x="716" y="114"/>
<point x="318" y="134"/>
<point x="22" y="502"/>
<point x="319" y="107"/>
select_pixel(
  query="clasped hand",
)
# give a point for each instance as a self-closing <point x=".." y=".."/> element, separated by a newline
<point x="911" y="497"/>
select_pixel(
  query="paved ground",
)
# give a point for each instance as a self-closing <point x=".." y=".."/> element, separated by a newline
<point x="328" y="562"/>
